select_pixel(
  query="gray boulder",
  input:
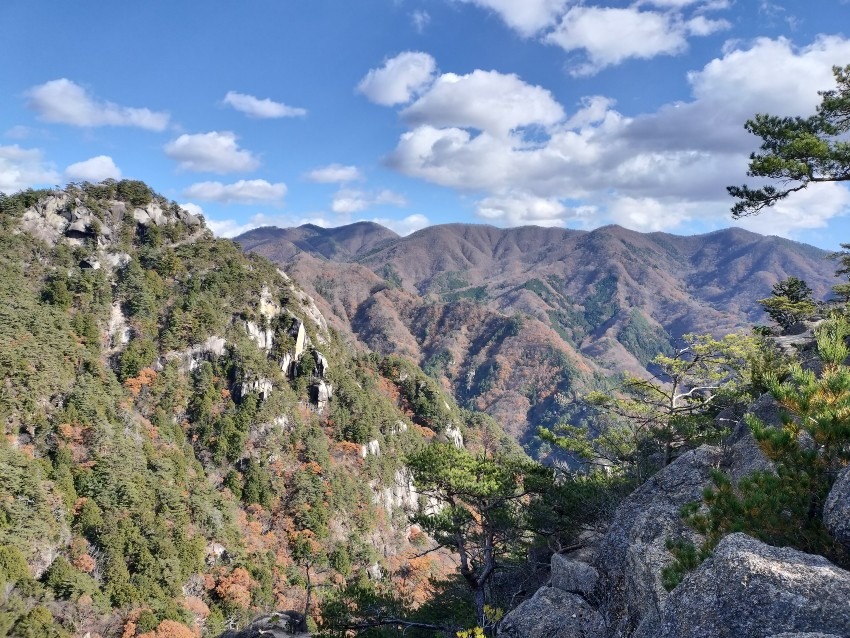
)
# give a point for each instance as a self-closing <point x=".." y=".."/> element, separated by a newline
<point x="552" y="613"/>
<point x="633" y="553"/>
<point x="748" y="588"/>
<point x="808" y="634"/>
<point x="573" y="576"/>
<point x="836" y="511"/>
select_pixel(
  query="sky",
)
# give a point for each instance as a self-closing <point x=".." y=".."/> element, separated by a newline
<point x="418" y="112"/>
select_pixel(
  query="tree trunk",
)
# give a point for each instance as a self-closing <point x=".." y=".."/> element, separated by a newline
<point x="478" y="596"/>
<point x="303" y="626"/>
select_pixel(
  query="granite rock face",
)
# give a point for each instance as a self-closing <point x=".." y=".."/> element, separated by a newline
<point x="552" y="613"/>
<point x="836" y="511"/>
<point x="748" y="588"/>
<point x="634" y="551"/>
<point x="573" y="576"/>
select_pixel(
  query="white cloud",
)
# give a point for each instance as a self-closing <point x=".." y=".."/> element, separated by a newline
<point x="652" y="171"/>
<point x="349" y="201"/>
<point x="66" y="102"/>
<point x="485" y="100"/>
<point x="648" y="214"/>
<point x="95" y="169"/>
<point x="702" y="26"/>
<point x="233" y="228"/>
<point x="22" y="168"/>
<point x="400" y="79"/>
<point x="229" y="227"/>
<point x="21" y="132"/>
<point x="334" y="174"/>
<point x="420" y="19"/>
<point x="252" y="191"/>
<point x="608" y="36"/>
<point x="811" y="208"/>
<point x="515" y="209"/>
<point x="527" y="17"/>
<point x="406" y="226"/>
<point x="213" y="152"/>
<point x="260" y="108"/>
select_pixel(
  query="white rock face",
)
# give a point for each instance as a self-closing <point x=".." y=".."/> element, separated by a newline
<point x="452" y="435"/>
<point x="118" y="331"/>
<point x="264" y="337"/>
<point x="260" y="386"/>
<point x="372" y="447"/>
<point x="268" y="307"/>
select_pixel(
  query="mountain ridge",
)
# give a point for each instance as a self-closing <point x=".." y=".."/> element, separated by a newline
<point x="602" y="298"/>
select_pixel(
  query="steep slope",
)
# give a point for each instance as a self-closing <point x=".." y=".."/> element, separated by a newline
<point x="597" y="303"/>
<point x="185" y="444"/>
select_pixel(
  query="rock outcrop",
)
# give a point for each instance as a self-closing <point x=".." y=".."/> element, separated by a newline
<point x="573" y="576"/>
<point x="836" y="511"/>
<point x="633" y="553"/>
<point x="552" y="613"/>
<point x="747" y="588"/>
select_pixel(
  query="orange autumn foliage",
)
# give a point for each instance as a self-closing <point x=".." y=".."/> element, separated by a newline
<point x="145" y="379"/>
<point x="236" y="587"/>
<point x="169" y="629"/>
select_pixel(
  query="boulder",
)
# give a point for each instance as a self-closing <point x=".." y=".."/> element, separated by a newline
<point x="748" y="588"/>
<point x="633" y="553"/>
<point x="282" y="624"/>
<point x="552" y="613"/>
<point x="807" y="634"/>
<point x="836" y="511"/>
<point x="573" y="576"/>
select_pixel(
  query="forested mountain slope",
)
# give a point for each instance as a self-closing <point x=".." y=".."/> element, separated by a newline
<point x="509" y="319"/>
<point x="185" y="442"/>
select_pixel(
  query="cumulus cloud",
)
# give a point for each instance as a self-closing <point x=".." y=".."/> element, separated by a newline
<point x="65" y="102"/>
<point x="95" y="169"/>
<point x="485" y="100"/>
<point x="652" y="171"/>
<point x="233" y="227"/>
<point x="22" y="168"/>
<point x="527" y="17"/>
<point x="608" y="36"/>
<point x="251" y="191"/>
<point x="348" y="201"/>
<point x="334" y="174"/>
<point x="399" y="79"/>
<point x="260" y="108"/>
<point x="213" y="152"/>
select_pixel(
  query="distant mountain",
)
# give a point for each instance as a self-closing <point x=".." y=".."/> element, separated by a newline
<point x="343" y="243"/>
<point x="508" y="319"/>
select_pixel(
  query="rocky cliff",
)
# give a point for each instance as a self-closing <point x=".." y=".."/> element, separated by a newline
<point x="614" y="588"/>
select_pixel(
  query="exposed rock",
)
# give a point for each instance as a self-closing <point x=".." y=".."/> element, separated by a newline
<point x="836" y="511"/>
<point x="573" y="576"/>
<point x="374" y="572"/>
<point x="268" y="307"/>
<point x="141" y="216"/>
<point x="748" y="588"/>
<point x="401" y="495"/>
<point x="552" y="613"/>
<point x="118" y="332"/>
<point x="264" y="337"/>
<point x="261" y="386"/>
<point x="118" y="210"/>
<point x="452" y="435"/>
<point x="321" y="364"/>
<point x="797" y="634"/>
<point x="117" y="260"/>
<point x="633" y="552"/>
<point x="321" y="394"/>
<point x="744" y="456"/>
<point x="90" y="263"/>
<point x="298" y="333"/>
<point x="287" y="365"/>
<point x="282" y="624"/>
<point x="372" y="447"/>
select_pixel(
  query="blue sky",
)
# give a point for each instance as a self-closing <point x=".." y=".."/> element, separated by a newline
<point x="417" y="112"/>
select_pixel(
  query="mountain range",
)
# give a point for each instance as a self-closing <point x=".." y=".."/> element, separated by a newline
<point x="516" y="321"/>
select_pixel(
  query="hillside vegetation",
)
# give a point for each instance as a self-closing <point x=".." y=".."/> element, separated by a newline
<point x="185" y="442"/>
